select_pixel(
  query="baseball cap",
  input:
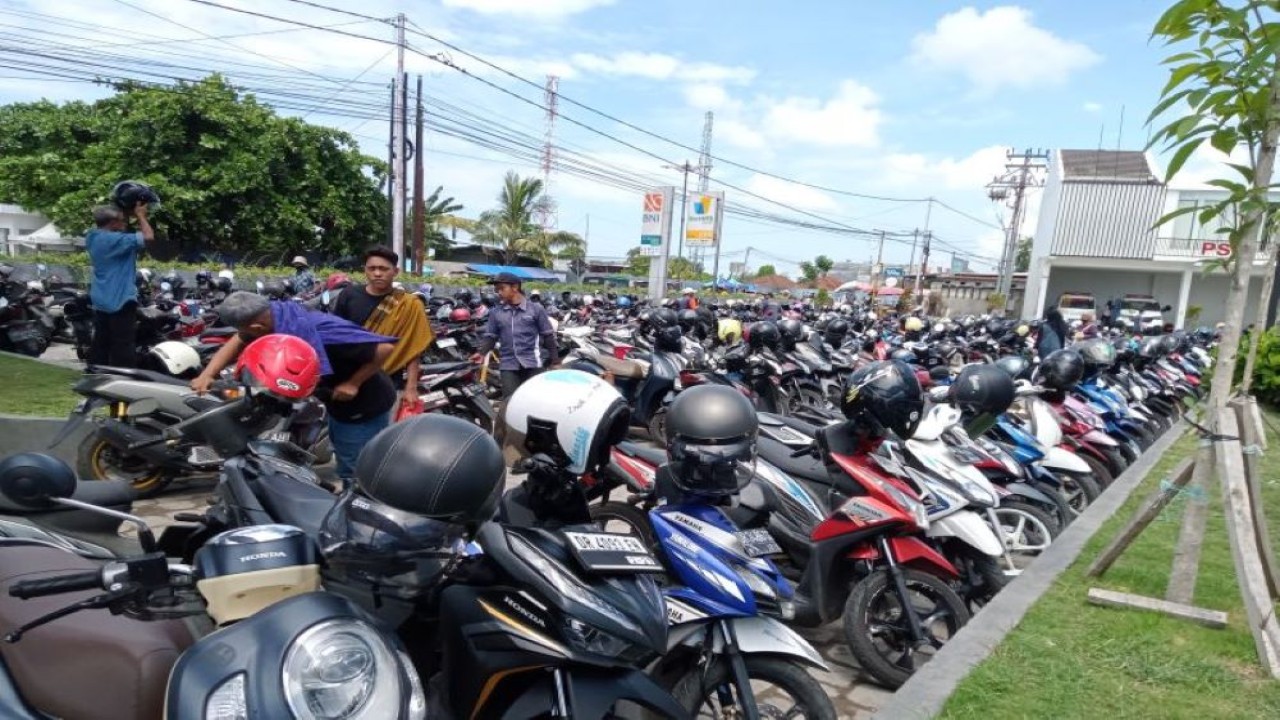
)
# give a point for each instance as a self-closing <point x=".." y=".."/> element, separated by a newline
<point x="505" y="278"/>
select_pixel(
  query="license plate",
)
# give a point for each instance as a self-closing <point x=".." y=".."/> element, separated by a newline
<point x="610" y="552"/>
<point x="758" y="542"/>
<point x="446" y="343"/>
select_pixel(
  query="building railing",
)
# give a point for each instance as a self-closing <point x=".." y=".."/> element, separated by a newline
<point x="1200" y="248"/>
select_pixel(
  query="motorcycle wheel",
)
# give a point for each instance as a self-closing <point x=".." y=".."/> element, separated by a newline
<point x="1079" y="490"/>
<point x="97" y="459"/>
<point x="1101" y="474"/>
<point x="624" y="519"/>
<point x="984" y="577"/>
<point x="1116" y="462"/>
<point x="1025" y="529"/>
<point x="781" y="689"/>
<point x="31" y="348"/>
<point x="657" y="426"/>
<point x="877" y="630"/>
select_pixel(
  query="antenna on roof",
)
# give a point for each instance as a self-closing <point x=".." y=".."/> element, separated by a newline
<point x="1119" y="139"/>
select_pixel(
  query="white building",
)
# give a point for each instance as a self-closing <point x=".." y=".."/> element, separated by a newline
<point x="1097" y="234"/>
<point x="16" y="224"/>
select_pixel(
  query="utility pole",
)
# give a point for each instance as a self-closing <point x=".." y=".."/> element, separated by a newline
<point x="1023" y="170"/>
<point x="924" y="266"/>
<point x="686" y="168"/>
<point x="398" y="159"/>
<point x="393" y="183"/>
<point x="419" y="211"/>
<point x="878" y="270"/>
<point x="915" y="237"/>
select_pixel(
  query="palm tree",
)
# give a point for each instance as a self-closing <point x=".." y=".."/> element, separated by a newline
<point x="437" y="212"/>
<point x="510" y="226"/>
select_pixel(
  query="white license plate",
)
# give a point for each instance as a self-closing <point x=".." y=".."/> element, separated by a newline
<point x="446" y="343"/>
<point x="757" y="542"/>
<point x="606" y="541"/>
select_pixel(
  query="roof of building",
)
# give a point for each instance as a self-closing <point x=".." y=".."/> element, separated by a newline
<point x="526" y="273"/>
<point x="1125" y="165"/>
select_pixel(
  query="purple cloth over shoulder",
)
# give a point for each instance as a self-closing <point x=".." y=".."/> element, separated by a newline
<point x="318" y="329"/>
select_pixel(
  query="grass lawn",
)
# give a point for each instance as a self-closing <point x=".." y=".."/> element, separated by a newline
<point x="1068" y="659"/>
<point x="30" y="387"/>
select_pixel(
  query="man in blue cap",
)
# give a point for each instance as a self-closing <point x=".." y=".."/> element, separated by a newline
<point x="522" y="332"/>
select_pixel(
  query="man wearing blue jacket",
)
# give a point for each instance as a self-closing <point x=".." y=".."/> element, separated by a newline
<point x="113" y="291"/>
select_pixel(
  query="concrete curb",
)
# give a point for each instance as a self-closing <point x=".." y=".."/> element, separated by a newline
<point x="27" y="433"/>
<point x="923" y="696"/>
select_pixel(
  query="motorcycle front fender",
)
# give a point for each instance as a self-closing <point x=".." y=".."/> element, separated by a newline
<point x="970" y="529"/>
<point x="1099" y="438"/>
<point x="77" y="418"/>
<point x="1058" y="459"/>
<point x="756" y="635"/>
<point x="1031" y="493"/>
<point x="914" y="552"/>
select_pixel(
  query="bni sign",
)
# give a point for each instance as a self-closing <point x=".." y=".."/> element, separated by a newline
<point x="656" y="220"/>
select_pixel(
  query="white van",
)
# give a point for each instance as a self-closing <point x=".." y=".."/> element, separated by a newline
<point x="1141" y="313"/>
<point x="1074" y="306"/>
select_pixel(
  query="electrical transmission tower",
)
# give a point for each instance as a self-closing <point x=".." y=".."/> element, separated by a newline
<point x="1023" y="170"/>
<point x="546" y="216"/>
<point x="704" y="172"/>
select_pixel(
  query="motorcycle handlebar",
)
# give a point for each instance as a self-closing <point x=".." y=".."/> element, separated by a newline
<point x="87" y="580"/>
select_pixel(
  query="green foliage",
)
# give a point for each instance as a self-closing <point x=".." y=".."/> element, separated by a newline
<point x="36" y="388"/>
<point x="637" y="264"/>
<point x="823" y="264"/>
<point x="1266" y="367"/>
<point x="233" y="175"/>
<point x="766" y="270"/>
<point x="1022" y="261"/>
<point x="1193" y="315"/>
<point x="995" y="301"/>
<point x="435" y="209"/>
<point x="511" y="226"/>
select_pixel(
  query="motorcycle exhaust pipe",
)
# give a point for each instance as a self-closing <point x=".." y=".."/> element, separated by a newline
<point x="121" y="435"/>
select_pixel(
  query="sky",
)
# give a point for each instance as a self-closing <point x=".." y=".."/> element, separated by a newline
<point x="817" y="104"/>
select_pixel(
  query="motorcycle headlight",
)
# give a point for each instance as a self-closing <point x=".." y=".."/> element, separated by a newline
<point x="917" y="509"/>
<point x="227" y="701"/>
<point x="590" y="639"/>
<point x="565" y="583"/>
<point x="342" y="670"/>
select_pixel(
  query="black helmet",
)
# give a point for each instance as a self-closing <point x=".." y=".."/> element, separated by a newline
<point x="436" y="466"/>
<point x="1098" y="353"/>
<point x="273" y="289"/>
<point x="488" y="299"/>
<point x="886" y="394"/>
<point x="792" y="331"/>
<point x="224" y="284"/>
<point x="982" y="389"/>
<point x="763" y="334"/>
<point x="173" y="278"/>
<point x="664" y="317"/>
<point x="903" y="355"/>
<point x="127" y="194"/>
<point x="688" y="320"/>
<point x="668" y="339"/>
<point x="1061" y="370"/>
<point x="29" y="479"/>
<point x="1016" y="365"/>
<point x="464" y="296"/>
<point x="710" y="430"/>
<point x="204" y="277"/>
<point x="835" y="331"/>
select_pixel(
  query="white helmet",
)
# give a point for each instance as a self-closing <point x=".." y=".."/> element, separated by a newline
<point x="298" y="260"/>
<point x="588" y="299"/>
<point x="228" y="274"/>
<point x="573" y="416"/>
<point x="177" y="357"/>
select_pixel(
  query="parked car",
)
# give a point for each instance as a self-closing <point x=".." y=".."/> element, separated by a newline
<point x="1141" y="313"/>
<point x="1074" y="306"/>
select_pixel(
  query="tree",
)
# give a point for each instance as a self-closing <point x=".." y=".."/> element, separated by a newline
<point x="808" y="271"/>
<point x="637" y="264"/>
<point x="435" y="211"/>
<point x="510" y="227"/>
<point x="1225" y="90"/>
<point x="766" y="271"/>
<point x="233" y="175"/>
<point x="1022" y="261"/>
<point x="823" y="264"/>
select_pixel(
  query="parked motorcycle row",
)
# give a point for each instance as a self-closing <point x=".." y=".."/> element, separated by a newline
<point x="698" y="483"/>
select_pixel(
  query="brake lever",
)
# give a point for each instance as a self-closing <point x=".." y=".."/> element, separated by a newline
<point x="810" y="449"/>
<point x="96" y="602"/>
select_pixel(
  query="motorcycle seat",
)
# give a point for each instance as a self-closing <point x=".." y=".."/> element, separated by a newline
<point x="89" y="664"/>
<point x="136" y="374"/>
<point x="806" y="467"/>
<point x="653" y="456"/>
<point x="444" y="367"/>
<point x="296" y="503"/>
<point x="628" y="369"/>
<point x="219" y="332"/>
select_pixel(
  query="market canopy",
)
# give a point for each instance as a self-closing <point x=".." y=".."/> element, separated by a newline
<point x="524" y="273"/>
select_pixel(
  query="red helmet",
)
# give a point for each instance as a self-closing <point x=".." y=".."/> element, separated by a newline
<point x="460" y="315"/>
<point x="337" y="280"/>
<point x="282" y="365"/>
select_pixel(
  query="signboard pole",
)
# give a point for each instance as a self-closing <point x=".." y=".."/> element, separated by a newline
<point x="655" y="237"/>
<point x="715" y="265"/>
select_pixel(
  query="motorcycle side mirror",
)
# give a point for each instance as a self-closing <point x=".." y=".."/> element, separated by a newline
<point x="143" y="407"/>
<point x="260" y="286"/>
<point x="35" y="480"/>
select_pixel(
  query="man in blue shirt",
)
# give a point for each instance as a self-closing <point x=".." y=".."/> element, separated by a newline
<point x="522" y="332"/>
<point x="113" y="252"/>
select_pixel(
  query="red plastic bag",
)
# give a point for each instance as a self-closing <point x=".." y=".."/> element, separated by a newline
<point x="408" y="409"/>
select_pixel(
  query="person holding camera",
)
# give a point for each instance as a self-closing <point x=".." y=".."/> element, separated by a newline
<point x="113" y="251"/>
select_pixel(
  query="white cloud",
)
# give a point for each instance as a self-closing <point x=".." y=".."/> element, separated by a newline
<point x="661" y="66"/>
<point x="706" y="95"/>
<point x="849" y="118"/>
<point x="739" y="134"/>
<point x="791" y="194"/>
<point x="1000" y="48"/>
<point x="971" y="172"/>
<point x="528" y="8"/>
<point x="1093" y="107"/>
